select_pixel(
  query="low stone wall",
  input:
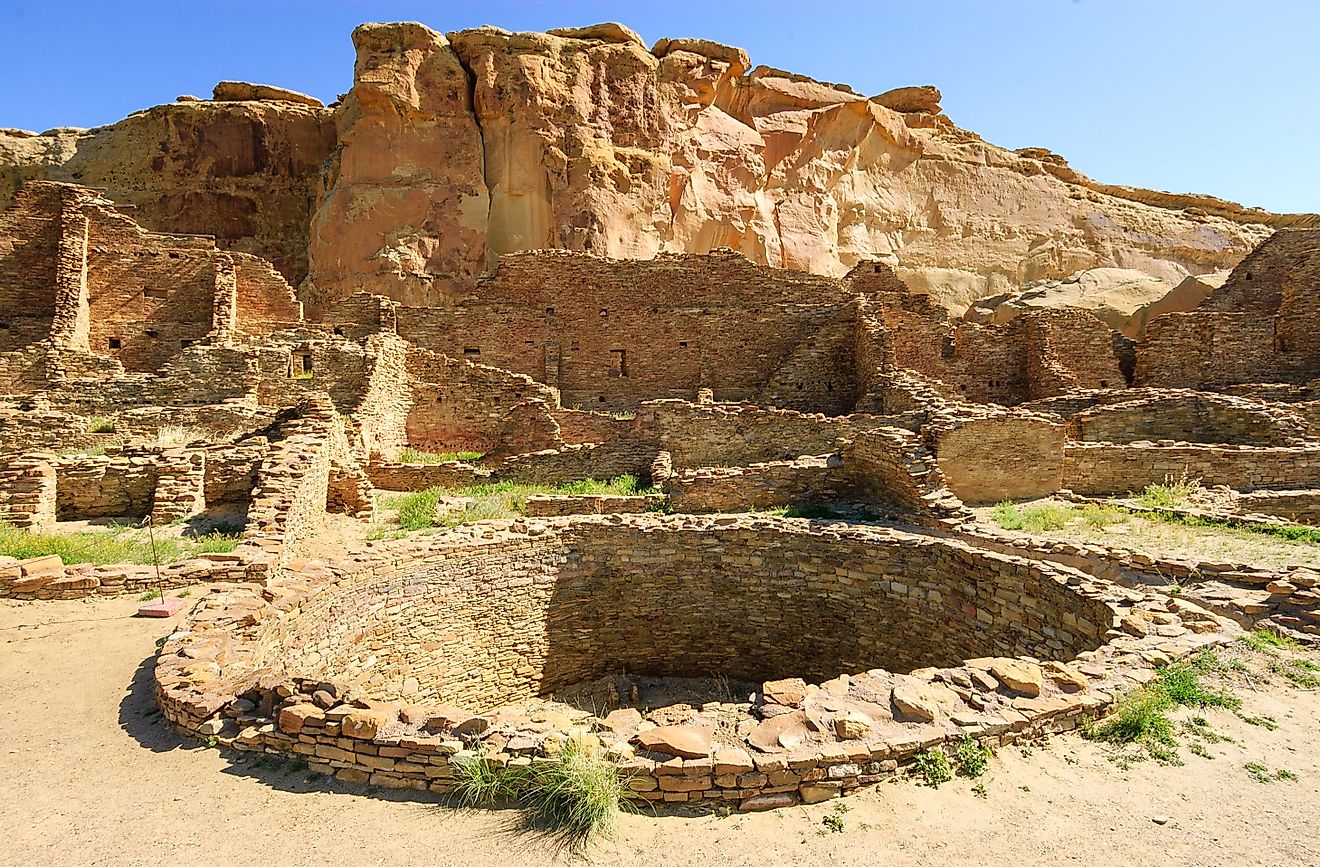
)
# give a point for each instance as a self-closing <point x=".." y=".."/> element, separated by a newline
<point x="316" y="665"/>
<point x="999" y="456"/>
<point x="769" y="485"/>
<point x="550" y="506"/>
<point x="1097" y="469"/>
<point x="418" y="477"/>
<point x="42" y="578"/>
<point x="892" y="466"/>
<point x="27" y="492"/>
<point x="734" y="435"/>
<point x="1302" y="506"/>
<point x="1191" y="417"/>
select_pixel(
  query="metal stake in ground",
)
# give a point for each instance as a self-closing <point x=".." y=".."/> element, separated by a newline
<point x="160" y="607"/>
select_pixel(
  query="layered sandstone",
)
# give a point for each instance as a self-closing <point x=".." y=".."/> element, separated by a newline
<point x="244" y="171"/>
<point x="582" y="139"/>
<point x="451" y="150"/>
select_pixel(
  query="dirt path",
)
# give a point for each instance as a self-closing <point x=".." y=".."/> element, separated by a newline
<point x="91" y="776"/>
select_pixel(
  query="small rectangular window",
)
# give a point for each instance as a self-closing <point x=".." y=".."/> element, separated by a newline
<point x="152" y="333"/>
<point x="156" y="293"/>
<point x="184" y="344"/>
<point x="619" y="362"/>
<point x="471" y="350"/>
<point x="682" y="344"/>
<point x="114" y="343"/>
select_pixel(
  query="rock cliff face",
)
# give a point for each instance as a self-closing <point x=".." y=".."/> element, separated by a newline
<point x="450" y="150"/>
<point x="244" y="171"/>
<point x="456" y="149"/>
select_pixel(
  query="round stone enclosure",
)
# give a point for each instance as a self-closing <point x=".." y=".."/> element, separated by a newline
<point x="485" y="622"/>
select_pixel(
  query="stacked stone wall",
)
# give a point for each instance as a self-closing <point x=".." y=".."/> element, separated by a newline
<point x="1104" y="468"/>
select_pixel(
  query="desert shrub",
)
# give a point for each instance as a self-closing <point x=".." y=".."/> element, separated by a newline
<point x="578" y="793"/>
<point x="1031" y="519"/>
<point x="973" y="757"/>
<point x="934" y="767"/>
<point x="1169" y="495"/>
<point x="100" y="424"/>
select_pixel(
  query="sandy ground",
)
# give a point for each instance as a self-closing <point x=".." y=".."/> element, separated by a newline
<point x="92" y="776"/>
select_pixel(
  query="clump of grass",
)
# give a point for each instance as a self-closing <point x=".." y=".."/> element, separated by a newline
<point x="1101" y="516"/>
<point x="100" y="424"/>
<point x="102" y="547"/>
<point x="480" y="782"/>
<point x="1268" y="641"/>
<point x="1169" y="495"/>
<point x="934" y="767"/>
<point x="1031" y="519"/>
<point x="973" y="757"/>
<point x="1301" y="673"/>
<point x="1141" y="719"/>
<point x="417" y="510"/>
<point x="1262" y="774"/>
<point x="177" y="435"/>
<point x="417" y="456"/>
<point x="578" y="793"/>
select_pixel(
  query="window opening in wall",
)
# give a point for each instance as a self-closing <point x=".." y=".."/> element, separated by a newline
<point x="152" y="333"/>
<point x="471" y="350"/>
<point x="875" y="269"/>
<point x="184" y="343"/>
<point x="619" y="362"/>
<point x="946" y="347"/>
<point x="573" y="346"/>
<point x="682" y="344"/>
<point x="114" y="343"/>
<point x="4" y="326"/>
<point x="156" y="293"/>
<point x="339" y="331"/>
<point x="600" y="398"/>
<point x="549" y="311"/>
<point x="439" y="398"/>
<point x="604" y="313"/>
<point x="301" y="367"/>
<point x="1104" y="383"/>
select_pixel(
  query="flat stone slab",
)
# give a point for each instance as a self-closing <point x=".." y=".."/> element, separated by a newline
<point x="167" y="607"/>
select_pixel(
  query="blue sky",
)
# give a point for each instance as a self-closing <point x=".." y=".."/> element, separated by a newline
<point x="1210" y="96"/>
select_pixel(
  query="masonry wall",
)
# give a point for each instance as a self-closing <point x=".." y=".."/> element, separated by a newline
<point x="29" y="249"/>
<point x="759" y="486"/>
<point x="612" y="333"/>
<point x="1103" y="468"/>
<point x="460" y="406"/>
<point x="1206" y="350"/>
<point x="1002" y="456"/>
<point x="675" y="602"/>
<point x="1195" y="417"/>
<point x="730" y="435"/>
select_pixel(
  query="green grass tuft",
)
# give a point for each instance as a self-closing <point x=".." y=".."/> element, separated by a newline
<point x="973" y="757"/>
<point x="1268" y="641"/>
<point x="813" y="510"/>
<point x="480" y="782"/>
<point x="500" y="500"/>
<point x="576" y="794"/>
<point x="417" y="456"/>
<point x="1169" y="495"/>
<point x="103" y="547"/>
<point x="1031" y="519"/>
<point x="934" y="767"/>
<point x="100" y="424"/>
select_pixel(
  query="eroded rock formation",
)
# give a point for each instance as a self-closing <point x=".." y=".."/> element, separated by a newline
<point x="451" y="150"/>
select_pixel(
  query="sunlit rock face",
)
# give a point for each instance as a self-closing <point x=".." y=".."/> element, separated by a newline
<point x="451" y="150"/>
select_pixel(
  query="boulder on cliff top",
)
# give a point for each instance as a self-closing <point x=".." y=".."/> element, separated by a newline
<point x="737" y="58"/>
<point x="924" y="98"/>
<point x="609" y="31"/>
<point x="243" y="91"/>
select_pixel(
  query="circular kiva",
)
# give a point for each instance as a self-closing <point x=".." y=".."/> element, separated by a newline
<point x="869" y="645"/>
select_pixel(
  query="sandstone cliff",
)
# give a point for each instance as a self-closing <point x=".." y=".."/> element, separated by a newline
<point x="450" y="150"/>
<point x="243" y="171"/>
<point x="586" y="140"/>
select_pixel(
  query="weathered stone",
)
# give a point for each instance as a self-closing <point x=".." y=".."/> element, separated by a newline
<point x="686" y="741"/>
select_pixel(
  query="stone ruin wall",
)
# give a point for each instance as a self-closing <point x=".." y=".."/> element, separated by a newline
<point x="516" y="611"/>
<point x="1190" y="417"/>
<point x="612" y="334"/>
